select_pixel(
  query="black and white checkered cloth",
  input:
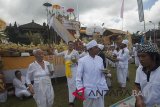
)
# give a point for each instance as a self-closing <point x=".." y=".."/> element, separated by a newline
<point x="148" y="47"/>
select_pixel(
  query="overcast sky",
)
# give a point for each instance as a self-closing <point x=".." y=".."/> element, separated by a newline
<point x="91" y="12"/>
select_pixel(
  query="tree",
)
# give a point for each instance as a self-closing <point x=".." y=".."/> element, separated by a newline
<point x="35" y="38"/>
<point x="136" y="38"/>
<point x="12" y="34"/>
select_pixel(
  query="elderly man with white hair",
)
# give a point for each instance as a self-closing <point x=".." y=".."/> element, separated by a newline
<point x="42" y="89"/>
<point x="122" y="64"/>
<point x="90" y="77"/>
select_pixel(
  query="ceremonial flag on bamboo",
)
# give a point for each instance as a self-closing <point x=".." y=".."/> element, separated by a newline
<point x="122" y="9"/>
<point x="142" y="39"/>
<point x="140" y="10"/>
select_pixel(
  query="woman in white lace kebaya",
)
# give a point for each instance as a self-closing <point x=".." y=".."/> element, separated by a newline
<point x="71" y="56"/>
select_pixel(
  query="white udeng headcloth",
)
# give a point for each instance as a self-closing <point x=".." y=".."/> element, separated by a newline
<point x="125" y="42"/>
<point x="91" y="44"/>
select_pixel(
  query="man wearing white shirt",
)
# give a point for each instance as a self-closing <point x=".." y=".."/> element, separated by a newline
<point x="90" y="77"/>
<point x="147" y="81"/>
<point x="122" y="64"/>
<point x="20" y="85"/>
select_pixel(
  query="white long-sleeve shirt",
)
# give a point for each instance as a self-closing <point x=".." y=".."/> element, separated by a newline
<point x="123" y="57"/>
<point x="43" y="90"/>
<point x="19" y="85"/>
<point x="115" y="52"/>
<point x="66" y="55"/>
<point x="150" y="87"/>
<point x="35" y="71"/>
<point x="90" y="76"/>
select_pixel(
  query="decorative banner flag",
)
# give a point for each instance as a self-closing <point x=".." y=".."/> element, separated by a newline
<point x="140" y="10"/>
<point x="122" y="9"/>
<point x="142" y="39"/>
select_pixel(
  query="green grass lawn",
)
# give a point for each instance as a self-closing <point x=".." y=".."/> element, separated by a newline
<point x="61" y="93"/>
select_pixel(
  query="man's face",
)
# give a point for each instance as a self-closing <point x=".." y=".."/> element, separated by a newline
<point x="145" y="59"/>
<point x="95" y="50"/>
<point x="18" y="75"/>
<point x="70" y="46"/>
<point x="121" y="45"/>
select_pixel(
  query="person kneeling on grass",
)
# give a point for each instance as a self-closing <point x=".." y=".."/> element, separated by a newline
<point x="20" y="86"/>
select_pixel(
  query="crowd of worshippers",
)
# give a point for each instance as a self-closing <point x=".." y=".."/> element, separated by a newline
<point x="87" y="70"/>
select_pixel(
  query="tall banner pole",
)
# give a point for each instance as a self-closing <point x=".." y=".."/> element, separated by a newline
<point x="121" y="14"/>
<point x="141" y="17"/>
<point x="145" y="31"/>
<point x="77" y="10"/>
<point x="122" y="24"/>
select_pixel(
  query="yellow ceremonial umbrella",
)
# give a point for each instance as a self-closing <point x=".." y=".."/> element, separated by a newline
<point x="56" y="6"/>
<point x="2" y="24"/>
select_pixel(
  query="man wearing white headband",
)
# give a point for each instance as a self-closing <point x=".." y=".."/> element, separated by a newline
<point x="91" y="44"/>
<point x="90" y="77"/>
<point x="125" y="42"/>
<point x="122" y="64"/>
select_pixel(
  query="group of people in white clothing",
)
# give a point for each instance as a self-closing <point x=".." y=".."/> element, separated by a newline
<point x="80" y="70"/>
<point x="121" y="58"/>
<point x="147" y="85"/>
<point x="86" y="72"/>
<point x="41" y="89"/>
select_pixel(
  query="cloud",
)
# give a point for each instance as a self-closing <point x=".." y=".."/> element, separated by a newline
<point x="132" y="21"/>
<point x="91" y="12"/>
<point x="22" y="11"/>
